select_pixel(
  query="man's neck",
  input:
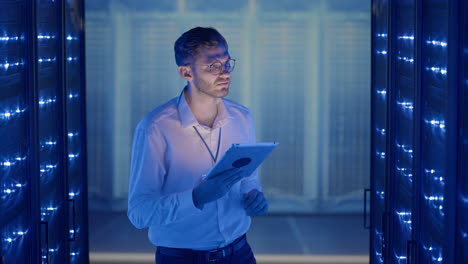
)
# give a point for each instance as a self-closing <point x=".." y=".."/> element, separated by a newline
<point x="204" y="107"/>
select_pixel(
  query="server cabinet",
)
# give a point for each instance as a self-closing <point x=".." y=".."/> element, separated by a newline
<point x="462" y="185"/>
<point x="424" y="210"/>
<point x="379" y="86"/>
<point x="43" y="180"/>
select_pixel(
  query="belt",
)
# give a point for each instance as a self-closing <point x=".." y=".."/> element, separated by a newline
<point x="210" y="255"/>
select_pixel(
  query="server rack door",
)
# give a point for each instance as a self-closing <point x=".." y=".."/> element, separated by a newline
<point x="74" y="87"/>
<point x="51" y="132"/>
<point x="462" y="203"/>
<point x="401" y="132"/>
<point x="379" y="90"/>
<point x="437" y="140"/>
<point x="19" y="218"/>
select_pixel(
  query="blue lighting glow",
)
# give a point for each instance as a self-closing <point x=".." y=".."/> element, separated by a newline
<point x="380" y="154"/>
<point x="382" y="92"/>
<point x="69" y="37"/>
<point x="7" y="114"/>
<point x="73" y="134"/>
<point x="405" y="218"/>
<point x="72" y="59"/>
<point x="405" y="105"/>
<point x="406" y="59"/>
<point x="436" y="202"/>
<point x="7" y="65"/>
<point x="382" y="35"/>
<point x="73" y="194"/>
<point x="436" y="123"/>
<point x="381" y="131"/>
<point x="71" y="96"/>
<point x="406" y="37"/>
<point x="11" y="162"/>
<point x="12" y="38"/>
<point x="72" y="156"/>
<point x="43" y="60"/>
<point x="15" y="235"/>
<point x="380" y="194"/>
<point x="437" y="43"/>
<point x="439" y="70"/>
<point x="435" y="176"/>
<point x="383" y="52"/>
<point x="43" y="36"/>
<point x="434" y="252"/>
<point x="43" y="101"/>
<point x="11" y="189"/>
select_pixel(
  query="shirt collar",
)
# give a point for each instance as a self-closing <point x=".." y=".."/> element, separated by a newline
<point x="188" y="119"/>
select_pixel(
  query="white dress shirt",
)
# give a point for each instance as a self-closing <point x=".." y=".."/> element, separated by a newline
<point x="168" y="161"/>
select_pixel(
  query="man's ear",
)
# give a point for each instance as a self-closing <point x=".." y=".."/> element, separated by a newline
<point x="185" y="72"/>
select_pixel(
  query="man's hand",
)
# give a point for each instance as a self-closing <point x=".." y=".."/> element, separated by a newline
<point x="215" y="186"/>
<point x="255" y="203"/>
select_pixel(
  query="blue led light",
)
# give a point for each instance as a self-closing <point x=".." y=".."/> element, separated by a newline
<point x="406" y="37"/>
<point x="439" y="70"/>
<point x="382" y="35"/>
<point x="435" y="175"/>
<point x="71" y="96"/>
<point x="405" y="148"/>
<point x="406" y="59"/>
<point x="380" y="154"/>
<point x="69" y="37"/>
<point x="437" y="43"/>
<point x="12" y="162"/>
<point x="15" y="235"/>
<point x="11" y="189"/>
<point x="382" y="92"/>
<point x="72" y="156"/>
<point x="43" y="60"/>
<point x="72" y="134"/>
<point x="43" y="101"/>
<point x="44" y="36"/>
<point x="7" y="65"/>
<point x="73" y="194"/>
<point x="12" y="38"/>
<point x="381" y="131"/>
<point x="382" y="52"/>
<point x="380" y="194"/>
<point x="405" y="218"/>
<point x="72" y="59"/>
<point x="7" y="114"/>
<point x="436" y="123"/>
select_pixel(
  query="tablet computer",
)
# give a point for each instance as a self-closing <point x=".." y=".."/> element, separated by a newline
<point x="246" y="157"/>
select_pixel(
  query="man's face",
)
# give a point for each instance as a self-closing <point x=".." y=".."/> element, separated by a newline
<point x="215" y="85"/>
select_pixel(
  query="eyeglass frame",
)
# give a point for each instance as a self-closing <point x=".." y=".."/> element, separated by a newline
<point x="223" y="69"/>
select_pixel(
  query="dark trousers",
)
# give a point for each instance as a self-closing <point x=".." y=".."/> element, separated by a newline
<point x="228" y="255"/>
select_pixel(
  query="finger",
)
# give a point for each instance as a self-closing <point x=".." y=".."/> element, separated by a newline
<point x="262" y="210"/>
<point x="251" y="200"/>
<point x="258" y="205"/>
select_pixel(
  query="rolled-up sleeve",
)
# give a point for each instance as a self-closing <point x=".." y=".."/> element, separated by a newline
<point x="147" y="206"/>
<point x="251" y="182"/>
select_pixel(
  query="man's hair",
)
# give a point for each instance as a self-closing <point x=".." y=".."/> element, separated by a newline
<point x="189" y="44"/>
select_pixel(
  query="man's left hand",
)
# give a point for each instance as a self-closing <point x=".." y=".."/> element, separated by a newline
<point x="255" y="203"/>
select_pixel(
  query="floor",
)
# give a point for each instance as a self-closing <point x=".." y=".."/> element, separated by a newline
<point x="274" y="239"/>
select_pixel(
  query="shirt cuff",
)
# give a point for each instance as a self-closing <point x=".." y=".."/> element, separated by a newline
<point x="186" y="203"/>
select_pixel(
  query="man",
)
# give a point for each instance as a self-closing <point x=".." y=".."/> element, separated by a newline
<point x="193" y="219"/>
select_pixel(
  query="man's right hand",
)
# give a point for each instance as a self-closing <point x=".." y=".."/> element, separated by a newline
<point x="215" y="187"/>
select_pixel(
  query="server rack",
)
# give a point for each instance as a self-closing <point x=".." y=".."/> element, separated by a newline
<point x="43" y="165"/>
<point x="424" y="211"/>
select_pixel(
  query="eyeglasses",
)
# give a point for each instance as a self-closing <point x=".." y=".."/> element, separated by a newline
<point x="217" y="67"/>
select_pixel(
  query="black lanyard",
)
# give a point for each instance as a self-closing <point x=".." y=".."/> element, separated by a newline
<point x="206" y="145"/>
